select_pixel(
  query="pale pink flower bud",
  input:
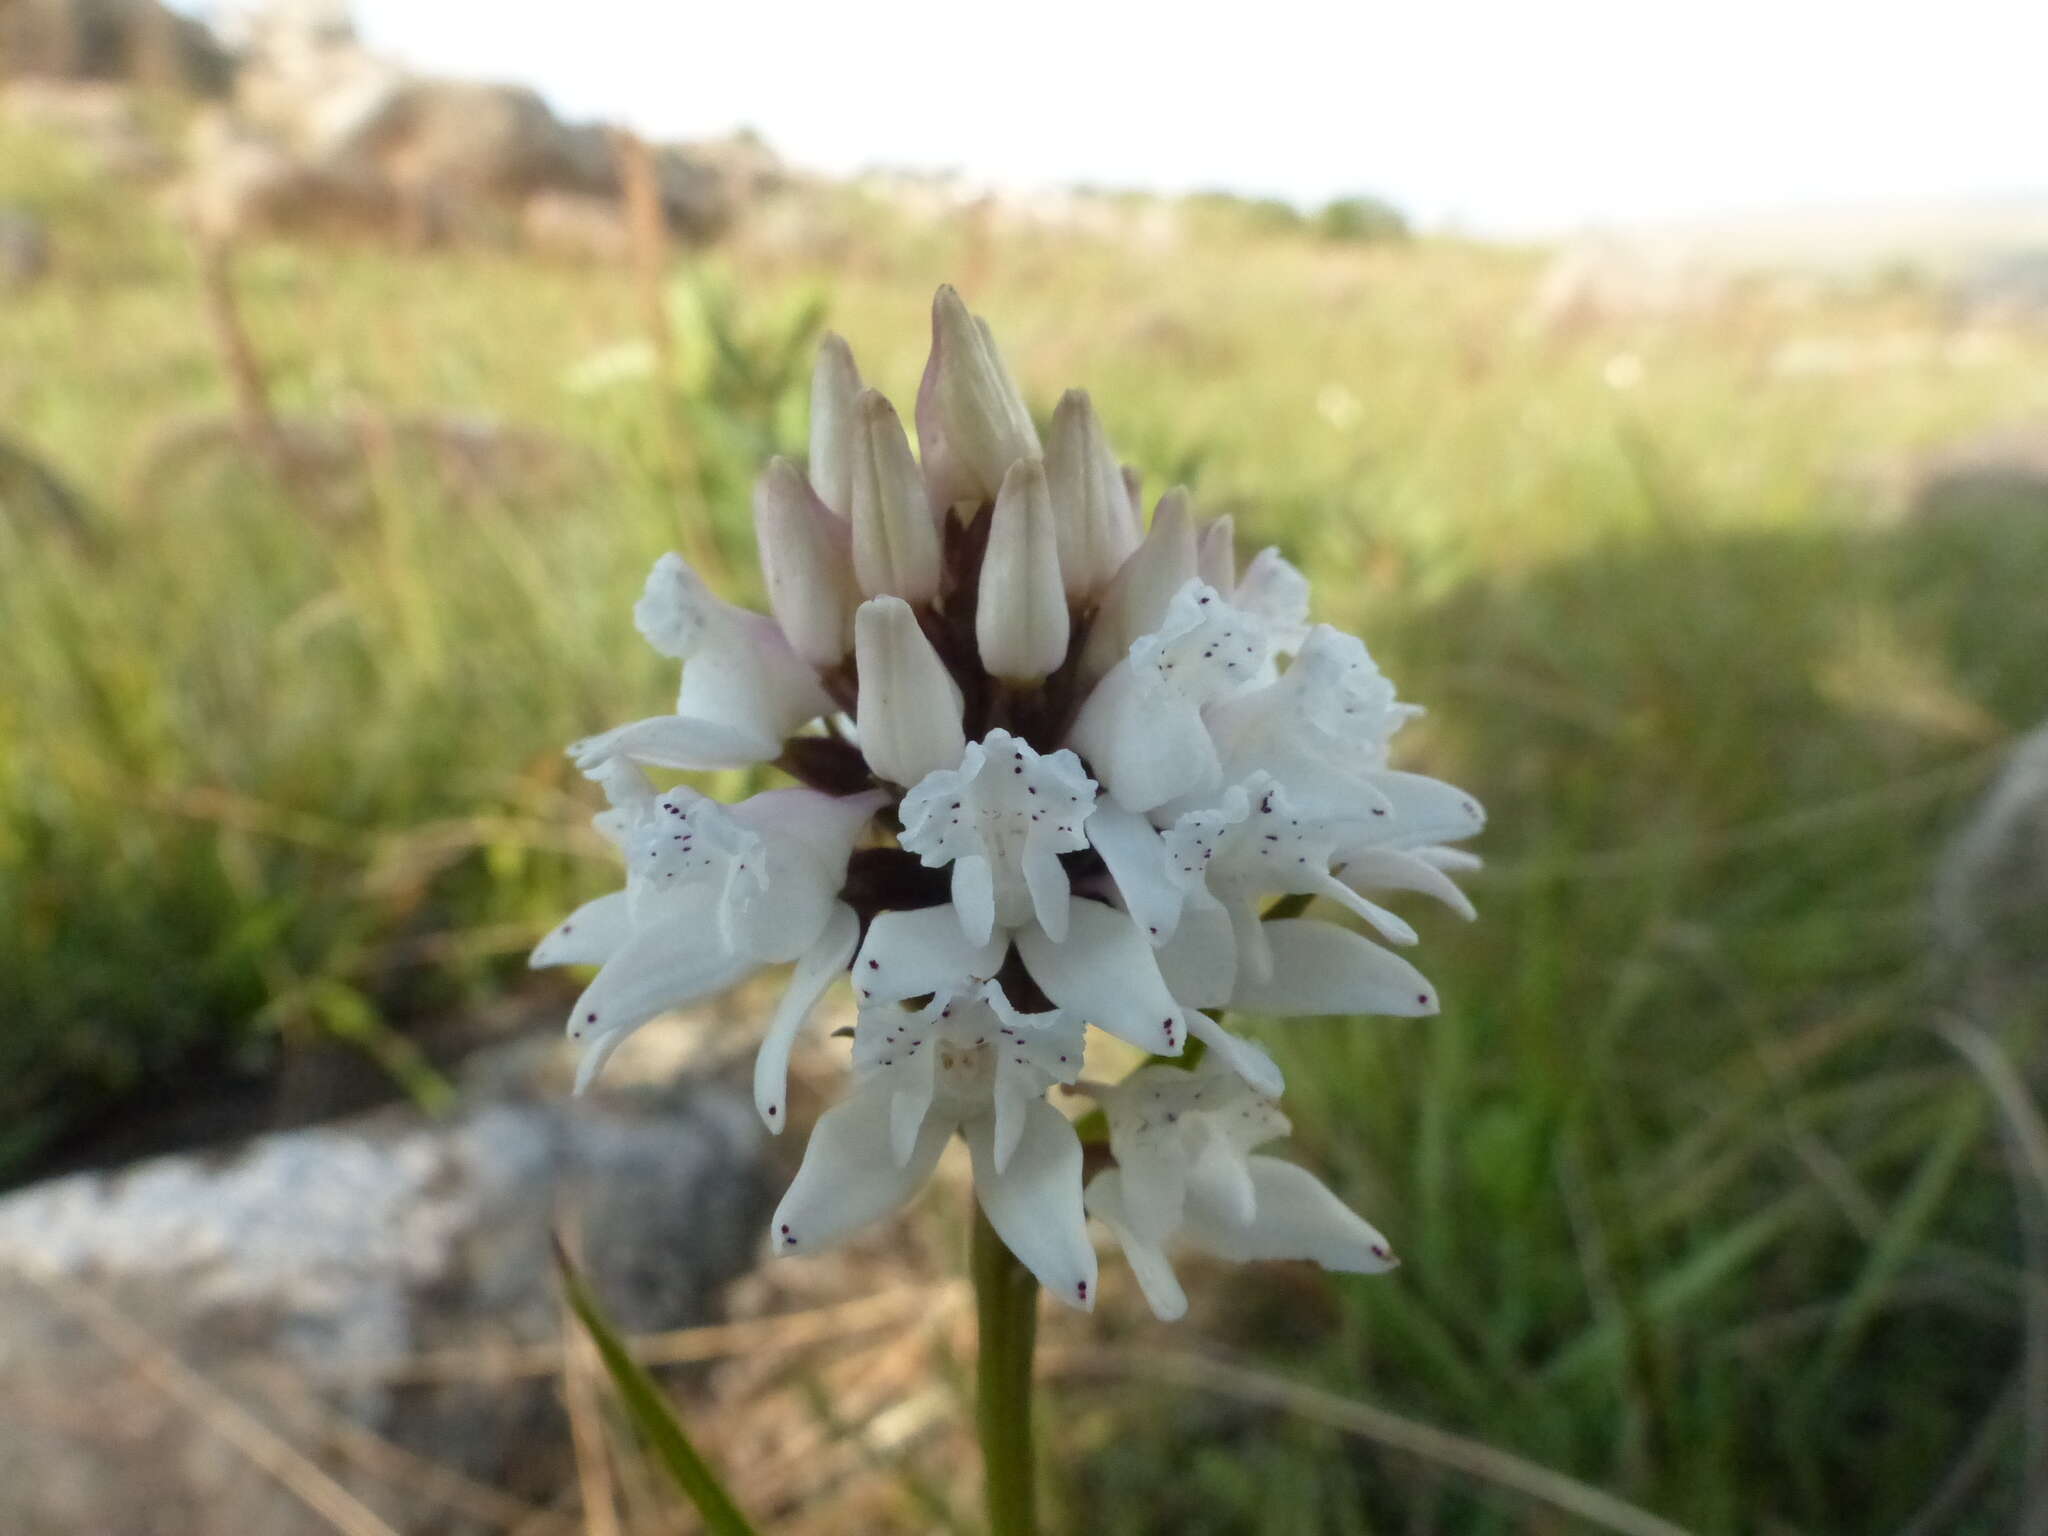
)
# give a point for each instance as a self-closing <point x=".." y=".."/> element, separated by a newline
<point x="909" y="711"/>
<point x="1021" y="618"/>
<point x="895" y="542"/>
<point x="835" y="389"/>
<point x="806" y="563"/>
<point x="1090" y="498"/>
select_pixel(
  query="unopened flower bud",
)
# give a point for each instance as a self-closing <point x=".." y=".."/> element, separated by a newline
<point x="909" y="709"/>
<point x="972" y="424"/>
<point x="1020" y="618"/>
<point x="805" y="560"/>
<point x="1090" y="497"/>
<point x="835" y="389"/>
<point x="1216" y="555"/>
<point x="895" y="542"/>
<point x="1137" y="597"/>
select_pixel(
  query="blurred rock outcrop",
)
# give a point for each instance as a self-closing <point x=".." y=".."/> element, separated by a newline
<point x="323" y="133"/>
<point x="291" y="1272"/>
<point x="132" y="40"/>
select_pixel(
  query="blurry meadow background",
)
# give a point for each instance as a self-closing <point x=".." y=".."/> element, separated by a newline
<point x="1712" y="1180"/>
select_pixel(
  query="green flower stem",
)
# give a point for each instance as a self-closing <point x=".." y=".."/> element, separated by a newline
<point x="1006" y="1303"/>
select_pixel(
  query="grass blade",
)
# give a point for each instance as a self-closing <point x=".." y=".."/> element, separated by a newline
<point x="650" y="1412"/>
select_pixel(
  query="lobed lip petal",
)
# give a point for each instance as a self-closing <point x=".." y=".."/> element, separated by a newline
<point x="913" y="954"/>
<point x="1387" y="869"/>
<point x="1136" y="858"/>
<point x="1105" y="973"/>
<point x="1108" y="1204"/>
<point x="661" y="966"/>
<point x="1001" y="819"/>
<point x="1034" y="1202"/>
<point x="816" y="969"/>
<point x="590" y="935"/>
<point x="1319" y="968"/>
<point x="850" y="1174"/>
<point x="1294" y="1216"/>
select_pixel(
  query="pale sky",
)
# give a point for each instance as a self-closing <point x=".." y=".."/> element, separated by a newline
<point x="1501" y="117"/>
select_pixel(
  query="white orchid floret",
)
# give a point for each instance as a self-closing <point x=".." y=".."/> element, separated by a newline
<point x="1255" y="843"/>
<point x="1142" y="729"/>
<point x="712" y="893"/>
<point x="1186" y="1172"/>
<point x="1274" y="590"/>
<point x="1001" y="820"/>
<point x="744" y="688"/>
<point x="965" y="1061"/>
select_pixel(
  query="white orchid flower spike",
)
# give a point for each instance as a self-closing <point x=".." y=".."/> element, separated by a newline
<point x="1053" y="768"/>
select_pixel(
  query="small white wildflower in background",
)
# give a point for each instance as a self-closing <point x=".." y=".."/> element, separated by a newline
<point x="1056" y="761"/>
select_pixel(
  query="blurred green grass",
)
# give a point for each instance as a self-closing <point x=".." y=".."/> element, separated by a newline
<point x="1693" y="1206"/>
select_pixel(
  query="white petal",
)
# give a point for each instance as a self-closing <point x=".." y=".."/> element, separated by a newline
<point x="1035" y="1202"/>
<point x="974" y="897"/>
<point x="1200" y="961"/>
<point x="1321" y="968"/>
<point x="1277" y="592"/>
<point x="1046" y="879"/>
<point x="825" y="826"/>
<point x="1105" y="973"/>
<point x="1107" y="1204"/>
<point x="662" y="966"/>
<point x="739" y="670"/>
<point x="911" y="954"/>
<point x="1295" y="1218"/>
<point x="1220" y="1181"/>
<point x="590" y="935"/>
<point x="850" y="1176"/>
<point x="1146" y="745"/>
<point x="911" y="1080"/>
<point x="1386" y="869"/>
<point x="1136" y="858"/>
<point x="1247" y="1060"/>
<point x="816" y="970"/>
<point x="675" y="741"/>
<point x="1426" y="810"/>
<point x="1010" y="812"/>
